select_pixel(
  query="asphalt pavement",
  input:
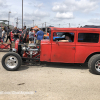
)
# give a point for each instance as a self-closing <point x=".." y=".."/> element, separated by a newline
<point x="49" y="81"/>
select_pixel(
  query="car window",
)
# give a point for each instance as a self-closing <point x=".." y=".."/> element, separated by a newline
<point x="88" y="37"/>
<point x="61" y="36"/>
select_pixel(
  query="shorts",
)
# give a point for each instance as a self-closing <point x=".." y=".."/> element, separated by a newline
<point x="31" y="39"/>
<point x="38" y="41"/>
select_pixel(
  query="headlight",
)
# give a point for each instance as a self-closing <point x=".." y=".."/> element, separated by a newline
<point x="24" y="48"/>
<point x="14" y="50"/>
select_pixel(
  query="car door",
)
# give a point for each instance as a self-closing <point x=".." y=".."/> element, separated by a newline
<point x="87" y="44"/>
<point x="63" y="51"/>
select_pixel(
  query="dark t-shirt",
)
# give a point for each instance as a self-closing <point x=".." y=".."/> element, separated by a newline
<point x="8" y="30"/>
<point x="15" y="32"/>
<point x="24" y="32"/>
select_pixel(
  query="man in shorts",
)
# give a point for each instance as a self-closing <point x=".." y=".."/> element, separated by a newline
<point x="40" y="36"/>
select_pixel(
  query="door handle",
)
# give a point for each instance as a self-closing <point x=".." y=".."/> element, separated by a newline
<point x="57" y="42"/>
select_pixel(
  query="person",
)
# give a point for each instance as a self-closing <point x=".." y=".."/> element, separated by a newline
<point x="24" y="35"/>
<point x="35" y="31"/>
<point x="67" y="38"/>
<point x="55" y="34"/>
<point x="39" y="36"/>
<point x="8" y="34"/>
<point x="31" y="36"/>
<point x="0" y="34"/>
<point x="3" y="34"/>
<point x="16" y="33"/>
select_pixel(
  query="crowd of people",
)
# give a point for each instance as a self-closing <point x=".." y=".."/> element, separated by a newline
<point x="5" y="33"/>
<point x="33" y="35"/>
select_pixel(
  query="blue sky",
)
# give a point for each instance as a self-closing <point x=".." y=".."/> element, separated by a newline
<point x="57" y="13"/>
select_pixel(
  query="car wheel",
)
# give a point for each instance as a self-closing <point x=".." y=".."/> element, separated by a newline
<point x="11" y="61"/>
<point x="94" y="64"/>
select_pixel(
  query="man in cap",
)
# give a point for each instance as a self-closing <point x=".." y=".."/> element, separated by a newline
<point x="0" y="33"/>
<point x="24" y="35"/>
<point x="16" y="33"/>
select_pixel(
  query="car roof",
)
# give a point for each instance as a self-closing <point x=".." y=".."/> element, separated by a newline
<point x="74" y="29"/>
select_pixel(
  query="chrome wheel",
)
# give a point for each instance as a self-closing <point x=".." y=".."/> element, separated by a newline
<point x="11" y="62"/>
<point x="97" y="66"/>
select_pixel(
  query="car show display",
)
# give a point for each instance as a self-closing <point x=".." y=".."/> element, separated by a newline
<point x="69" y="45"/>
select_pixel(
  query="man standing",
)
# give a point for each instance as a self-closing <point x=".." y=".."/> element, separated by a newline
<point x="16" y="33"/>
<point x="8" y="34"/>
<point x="24" y="35"/>
<point x="40" y="36"/>
<point x="0" y="33"/>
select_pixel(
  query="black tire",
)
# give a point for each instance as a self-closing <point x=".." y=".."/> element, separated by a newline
<point x="95" y="69"/>
<point x="14" y="58"/>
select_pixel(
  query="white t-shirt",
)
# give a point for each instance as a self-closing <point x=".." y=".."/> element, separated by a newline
<point x="3" y="33"/>
<point x="31" y="34"/>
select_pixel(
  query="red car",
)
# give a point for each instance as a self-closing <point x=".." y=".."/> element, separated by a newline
<point x="83" y="46"/>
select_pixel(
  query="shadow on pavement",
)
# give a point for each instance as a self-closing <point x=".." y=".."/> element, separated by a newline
<point x="54" y="65"/>
<point x="29" y="65"/>
<point x="64" y="65"/>
<point x="23" y="67"/>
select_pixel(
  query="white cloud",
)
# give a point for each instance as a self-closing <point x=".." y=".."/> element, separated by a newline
<point x="64" y="15"/>
<point x="39" y="5"/>
<point x="37" y="16"/>
<point x="95" y="14"/>
<point x="42" y="11"/>
<point x="2" y="3"/>
<point x="95" y="20"/>
<point x="60" y="8"/>
<point x="73" y="5"/>
<point x="39" y="13"/>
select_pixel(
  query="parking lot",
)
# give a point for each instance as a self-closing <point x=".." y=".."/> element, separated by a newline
<point x="49" y="81"/>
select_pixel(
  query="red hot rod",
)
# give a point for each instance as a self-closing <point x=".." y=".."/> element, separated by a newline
<point x="83" y="46"/>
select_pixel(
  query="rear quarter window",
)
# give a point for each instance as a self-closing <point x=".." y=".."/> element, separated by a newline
<point x="88" y="37"/>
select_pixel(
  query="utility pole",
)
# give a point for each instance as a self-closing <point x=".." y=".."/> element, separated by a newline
<point x="79" y="25"/>
<point x="22" y="15"/>
<point x="45" y="24"/>
<point x="17" y="22"/>
<point x="59" y="25"/>
<point x="42" y="25"/>
<point x="69" y="25"/>
<point x="9" y="18"/>
<point x="33" y="23"/>
<point x="45" y="28"/>
<point x="24" y="23"/>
